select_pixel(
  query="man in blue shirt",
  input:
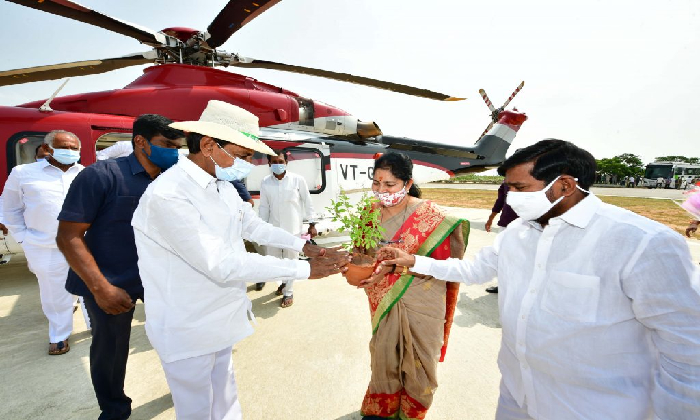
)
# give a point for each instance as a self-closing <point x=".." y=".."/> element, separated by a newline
<point x="97" y="239"/>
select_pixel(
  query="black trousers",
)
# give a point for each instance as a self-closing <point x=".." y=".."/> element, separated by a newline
<point x="109" y="352"/>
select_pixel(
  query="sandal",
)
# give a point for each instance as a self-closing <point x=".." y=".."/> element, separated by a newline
<point x="287" y="301"/>
<point x="62" y="347"/>
<point x="280" y="290"/>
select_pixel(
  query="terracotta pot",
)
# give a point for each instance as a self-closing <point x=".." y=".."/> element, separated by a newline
<point x="359" y="272"/>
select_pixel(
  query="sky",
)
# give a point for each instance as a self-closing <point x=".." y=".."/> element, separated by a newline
<point x="612" y="76"/>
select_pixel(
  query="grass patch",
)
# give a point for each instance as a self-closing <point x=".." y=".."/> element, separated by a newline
<point x="477" y="179"/>
<point x="663" y="211"/>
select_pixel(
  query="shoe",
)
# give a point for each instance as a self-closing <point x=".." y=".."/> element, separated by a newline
<point x="287" y="301"/>
<point x="259" y="286"/>
<point x="492" y="289"/>
<point x="61" y="347"/>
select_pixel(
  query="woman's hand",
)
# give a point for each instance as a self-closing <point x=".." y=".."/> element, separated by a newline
<point x="395" y="256"/>
<point x="377" y="275"/>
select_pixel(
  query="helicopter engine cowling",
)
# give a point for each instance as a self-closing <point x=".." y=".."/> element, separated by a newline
<point x="367" y="129"/>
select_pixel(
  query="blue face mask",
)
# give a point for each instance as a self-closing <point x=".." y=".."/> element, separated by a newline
<point x="66" y="156"/>
<point x="236" y="172"/>
<point x="278" y="168"/>
<point x="162" y="157"/>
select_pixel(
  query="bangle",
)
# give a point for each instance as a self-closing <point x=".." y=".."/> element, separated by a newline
<point x="393" y="268"/>
<point x="405" y="271"/>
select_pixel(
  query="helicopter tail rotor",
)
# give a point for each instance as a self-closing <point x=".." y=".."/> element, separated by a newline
<point x="496" y="112"/>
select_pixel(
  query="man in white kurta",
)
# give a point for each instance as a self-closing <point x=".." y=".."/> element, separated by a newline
<point x="189" y="228"/>
<point x="600" y="307"/>
<point x="285" y="202"/>
<point x="32" y="199"/>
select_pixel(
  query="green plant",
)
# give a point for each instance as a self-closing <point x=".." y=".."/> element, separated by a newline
<point x="360" y="220"/>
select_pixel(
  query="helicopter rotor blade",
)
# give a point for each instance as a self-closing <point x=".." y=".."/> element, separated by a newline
<point x="69" y="9"/>
<point x="235" y="15"/>
<point x="512" y="95"/>
<point x="344" y="77"/>
<point x="76" y="68"/>
<point x="487" y="100"/>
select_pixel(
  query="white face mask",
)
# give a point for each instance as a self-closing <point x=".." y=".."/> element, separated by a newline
<point x="531" y="205"/>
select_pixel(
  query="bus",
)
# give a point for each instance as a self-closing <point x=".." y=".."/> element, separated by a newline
<point x="657" y="174"/>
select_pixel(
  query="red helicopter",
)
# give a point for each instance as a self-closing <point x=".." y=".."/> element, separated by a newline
<point x="327" y="145"/>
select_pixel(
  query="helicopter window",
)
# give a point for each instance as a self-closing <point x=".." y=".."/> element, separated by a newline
<point x="306" y="162"/>
<point x="110" y="139"/>
<point x="23" y="147"/>
<point x="306" y="111"/>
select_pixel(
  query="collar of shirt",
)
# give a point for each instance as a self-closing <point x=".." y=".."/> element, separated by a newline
<point x="199" y="175"/>
<point x="44" y="163"/>
<point x="579" y="215"/>
<point x="135" y="165"/>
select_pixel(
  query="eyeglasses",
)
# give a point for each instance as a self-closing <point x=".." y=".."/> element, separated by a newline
<point x="229" y="154"/>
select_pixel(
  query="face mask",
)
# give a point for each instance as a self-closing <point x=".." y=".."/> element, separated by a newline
<point x="163" y="157"/>
<point x="533" y="205"/>
<point x="66" y="156"/>
<point x="390" y="199"/>
<point x="236" y="172"/>
<point x="278" y="168"/>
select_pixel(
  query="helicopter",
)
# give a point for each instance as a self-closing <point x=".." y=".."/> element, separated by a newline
<point x="330" y="147"/>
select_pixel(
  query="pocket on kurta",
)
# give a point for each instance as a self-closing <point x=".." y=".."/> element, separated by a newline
<point x="572" y="296"/>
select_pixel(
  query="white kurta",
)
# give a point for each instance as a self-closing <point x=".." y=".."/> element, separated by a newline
<point x="286" y="202"/>
<point x="189" y="231"/>
<point x="32" y="199"/>
<point x="600" y="313"/>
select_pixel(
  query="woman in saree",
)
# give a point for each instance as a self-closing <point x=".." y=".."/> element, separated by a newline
<point x="411" y="314"/>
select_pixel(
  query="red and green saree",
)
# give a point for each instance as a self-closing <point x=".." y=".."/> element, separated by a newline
<point x="412" y="315"/>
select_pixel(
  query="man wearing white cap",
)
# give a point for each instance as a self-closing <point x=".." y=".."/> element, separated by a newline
<point x="189" y="228"/>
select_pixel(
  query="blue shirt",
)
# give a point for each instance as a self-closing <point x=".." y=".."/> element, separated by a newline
<point x="105" y="194"/>
<point x="242" y="190"/>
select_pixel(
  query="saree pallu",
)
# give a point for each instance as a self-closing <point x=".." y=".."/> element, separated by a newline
<point x="411" y="319"/>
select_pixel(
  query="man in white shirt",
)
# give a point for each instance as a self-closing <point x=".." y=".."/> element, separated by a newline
<point x="600" y="307"/>
<point x="32" y="199"/>
<point x="189" y="228"/>
<point x="285" y="202"/>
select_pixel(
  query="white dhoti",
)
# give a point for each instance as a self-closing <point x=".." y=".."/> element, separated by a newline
<point x="51" y="269"/>
<point x="204" y="387"/>
<point x="288" y="254"/>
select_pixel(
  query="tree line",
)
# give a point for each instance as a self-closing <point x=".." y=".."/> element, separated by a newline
<point x="628" y="164"/>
